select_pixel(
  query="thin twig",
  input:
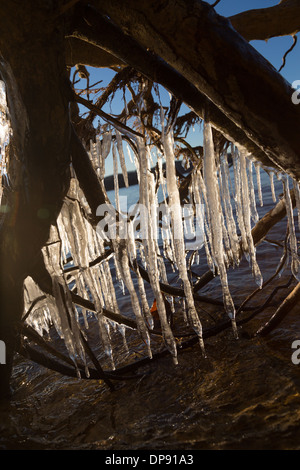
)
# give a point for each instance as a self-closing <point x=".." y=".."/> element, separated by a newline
<point x="295" y="38"/>
<point x="107" y="117"/>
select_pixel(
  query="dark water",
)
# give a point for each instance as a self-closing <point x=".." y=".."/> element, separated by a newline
<point x="244" y="395"/>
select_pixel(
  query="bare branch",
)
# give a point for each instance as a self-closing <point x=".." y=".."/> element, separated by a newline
<point x="82" y="52"/>
<point x="287" y="52"/>
<point x="265" y="23"/>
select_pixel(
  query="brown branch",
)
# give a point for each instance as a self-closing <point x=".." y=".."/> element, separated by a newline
<point x="96" y="261"/>
<point x="265" y="23"/>
<point x="118" y="80"/>
<point x="295" y="38"/>
<point x="82" y="52"/>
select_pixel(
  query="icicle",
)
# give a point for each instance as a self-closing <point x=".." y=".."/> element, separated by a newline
<point x="247" y="220"/>
<point x="198" y="186"/>
<point x="226" y="198"/>
<point x="253" y="210"/>
<point x="66" y="317"/>
<point x="116" y="179"/>
<point x="104" y="336"/>
<point x="129" y="152"/>
<point x="258" y="182"/>
<point x="122" y="258"/>
<point x="122" y="331"/>
<point x="110" y="292"/>
<point x="178" y="236"/>
<point x="150" y="251"/>
<point x="133" y="258"/>
<point x="4" y="124"/>
<point x="239" y="201"/>
<point x="119" y="277"/>
<point x="106" y="144"/>
<point x="295" y="265"/>
<point x="65" y="249"/>
<point x="215" y="219"/>
<point x="122" y="158"/>
<point x="271" y="175"/>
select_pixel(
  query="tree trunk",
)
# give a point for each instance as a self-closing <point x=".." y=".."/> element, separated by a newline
<point x="33" y="68"/>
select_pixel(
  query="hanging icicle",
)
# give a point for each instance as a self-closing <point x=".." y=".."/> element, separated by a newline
<point x="215" y="220"/>
<point x="150" y="250"/>
<point x="246" y="211"/>
<point x="258" y="182"/>
<point x="177" y="233"/>
<point x="122" y="157"/>
<point x="226" y="199"/>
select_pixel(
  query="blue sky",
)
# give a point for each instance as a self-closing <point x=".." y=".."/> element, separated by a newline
<point x="273" y="50"/>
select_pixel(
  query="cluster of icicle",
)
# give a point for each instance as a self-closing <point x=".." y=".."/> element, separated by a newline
<point x="225" y="224"/>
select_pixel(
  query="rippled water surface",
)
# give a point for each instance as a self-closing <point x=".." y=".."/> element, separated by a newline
<point x="244" y="395"/>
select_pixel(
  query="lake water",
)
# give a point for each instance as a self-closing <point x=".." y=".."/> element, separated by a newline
<point x="244" y="395"/>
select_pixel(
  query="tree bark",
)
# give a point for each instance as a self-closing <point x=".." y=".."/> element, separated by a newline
<point x="33" y="67"/>
<point x="81" y="52"/>
<point x="222" y="65"/>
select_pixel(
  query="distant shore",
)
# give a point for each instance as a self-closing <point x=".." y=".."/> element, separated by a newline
<point x="133" y="179"/>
